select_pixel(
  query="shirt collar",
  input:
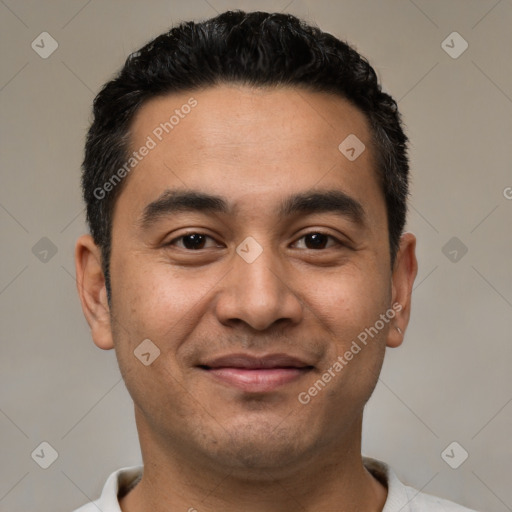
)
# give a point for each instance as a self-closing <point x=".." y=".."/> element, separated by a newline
<point x="120" y="482"/>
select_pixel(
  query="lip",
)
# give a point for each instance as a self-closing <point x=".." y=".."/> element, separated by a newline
<point x="256" y="373"/>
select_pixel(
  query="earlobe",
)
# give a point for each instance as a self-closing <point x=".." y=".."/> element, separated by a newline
<point x="404" y="274"/>
<point x="90" y="282"/>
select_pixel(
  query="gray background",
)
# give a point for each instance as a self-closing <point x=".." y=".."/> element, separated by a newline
<point x="451" y="379"/>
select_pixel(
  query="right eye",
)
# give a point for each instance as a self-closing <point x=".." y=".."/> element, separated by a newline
<point x="190" y="241"/>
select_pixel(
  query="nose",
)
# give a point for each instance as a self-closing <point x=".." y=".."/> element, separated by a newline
<point x="258" y="293"/>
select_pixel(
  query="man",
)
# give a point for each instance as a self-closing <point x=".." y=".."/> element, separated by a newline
<point x="246" y="183"/>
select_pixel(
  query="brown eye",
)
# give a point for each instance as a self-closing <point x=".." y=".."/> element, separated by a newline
<point x="191" y="241"/>
<point x="317" y="240"/>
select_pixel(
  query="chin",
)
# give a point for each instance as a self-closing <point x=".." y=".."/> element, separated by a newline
<point x="261" y="446"/>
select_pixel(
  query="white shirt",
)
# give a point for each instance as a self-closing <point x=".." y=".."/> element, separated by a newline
<point x="401" y="498"/>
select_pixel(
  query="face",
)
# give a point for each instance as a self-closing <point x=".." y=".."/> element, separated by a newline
<point x="253" y="254"/>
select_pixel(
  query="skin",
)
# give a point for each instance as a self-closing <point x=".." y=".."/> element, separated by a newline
<point x="206" y="444"/>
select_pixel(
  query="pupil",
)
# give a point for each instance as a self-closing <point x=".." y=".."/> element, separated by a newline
<point x="318" y="240"/>
<point x="195" y="239"/>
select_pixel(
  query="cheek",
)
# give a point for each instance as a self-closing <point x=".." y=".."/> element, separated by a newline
<point x="348" y="306"/>
<point x="150" y="303"/>
<point x="153" y="300"/>
<point x="349" y="299"/>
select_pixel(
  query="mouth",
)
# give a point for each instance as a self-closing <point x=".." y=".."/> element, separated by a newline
<point x="256" y="374"/>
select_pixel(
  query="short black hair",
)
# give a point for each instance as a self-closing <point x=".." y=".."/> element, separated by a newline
<point x="257" y="49"/>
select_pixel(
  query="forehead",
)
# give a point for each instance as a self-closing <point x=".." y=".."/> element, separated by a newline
<point x="250" y="119"/>
<point x="253" y="143"/>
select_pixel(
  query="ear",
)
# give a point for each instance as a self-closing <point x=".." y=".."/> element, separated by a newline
<point x="402" y="280"/>
<point x="90" y="282"/>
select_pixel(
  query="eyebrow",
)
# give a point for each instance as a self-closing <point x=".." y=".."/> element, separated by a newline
<point x="309" y="202"/>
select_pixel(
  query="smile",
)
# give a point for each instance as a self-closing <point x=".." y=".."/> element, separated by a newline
<point x="257" y="374"/>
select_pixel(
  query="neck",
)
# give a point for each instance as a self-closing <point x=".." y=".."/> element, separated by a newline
<point x="333" y="478"/>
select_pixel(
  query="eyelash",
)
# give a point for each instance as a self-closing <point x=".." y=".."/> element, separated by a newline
<point x="338" y="242"/>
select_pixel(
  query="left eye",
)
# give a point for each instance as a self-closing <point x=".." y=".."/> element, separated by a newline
<point x="197" y="241"/>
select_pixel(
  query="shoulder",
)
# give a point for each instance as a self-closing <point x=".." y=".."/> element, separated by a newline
<point x="422" y="502"/>
<point x="118" y="483"/>
<point x="404" y="498"/>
